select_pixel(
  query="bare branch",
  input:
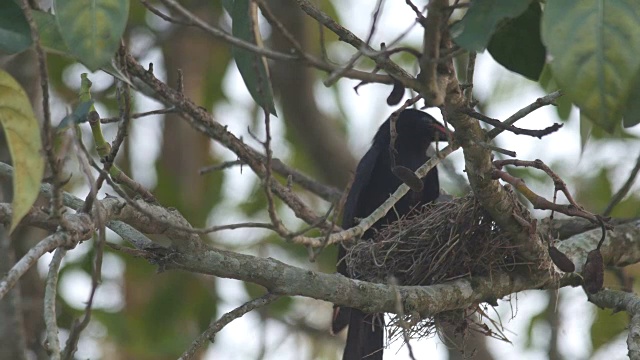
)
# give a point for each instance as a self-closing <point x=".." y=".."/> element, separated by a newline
<point x="193" y="20"/>
<point x="540" y="202"/>
<point x="50" y="316"/>
<point x="630" y="302"/>
<point x="540" y="102"/>
<point x="56" y="200"/>
<point x="347" y="36"/>
<point x="516" y="130"/>
<point x="139" y="115"/>
<point x="51" y="242"/>
<point x="214" y="328"/>
<point x="200" y="120"/>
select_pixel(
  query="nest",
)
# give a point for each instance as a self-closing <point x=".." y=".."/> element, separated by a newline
<point x="434" y="244"/>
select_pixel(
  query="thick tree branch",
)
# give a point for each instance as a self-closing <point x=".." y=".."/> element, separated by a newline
<point x="190" y="253"/>
<point x="630" y="302"/>
<point x="621" y="248"/>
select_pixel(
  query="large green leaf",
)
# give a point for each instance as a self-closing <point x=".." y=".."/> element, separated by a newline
<point x="23" y="136"/>
<point x="474" y="30"/>
<point x="50" y="37"/>
<point x="563" y="103"/>
<point x="252" y="67"/>
<point x="517" y="45"/>
<point x="92" y="28"/>
<point x="594" y="47"/>
<point x="15" y="35"/>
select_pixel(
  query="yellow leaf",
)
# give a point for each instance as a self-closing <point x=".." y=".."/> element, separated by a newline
<point x="22" y="131"/>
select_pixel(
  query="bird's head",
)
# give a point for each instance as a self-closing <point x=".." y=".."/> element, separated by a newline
<point x="419" y="126"/>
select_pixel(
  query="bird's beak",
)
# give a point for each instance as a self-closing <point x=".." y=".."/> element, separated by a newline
<point x="442" y="133"/>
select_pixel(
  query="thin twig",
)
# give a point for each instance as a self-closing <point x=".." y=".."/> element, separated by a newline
<point x="139" y="115"/>
<point x="471" y="66"/>
<point x="161" y="15"/>
<point x="402" y="323"/>
<point x="559" y="184"/>
<point x="497" y="149"/>
<point x="337" y="74"/>
<point x="278" y="226"/>
<point x="193" y="20"/>
<point x="347" y="36"/>
<point x="224" y="165"/>
<point x="96" y="273"/>
<point x="214" y="328"/>
<point x="540" y="102"/>
<point x="200" y="120"/>
<point x="516" y="130"/>
<point x="417" y="11"/>
<point x="47" y="139"/>
<point x="540" y="202"/>
<point x="623" y="190"/>
<point x="50" y="316"/>
<point x="49" y="243"/>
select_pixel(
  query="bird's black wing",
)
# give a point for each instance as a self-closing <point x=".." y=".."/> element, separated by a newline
<point x="362" y="178"/>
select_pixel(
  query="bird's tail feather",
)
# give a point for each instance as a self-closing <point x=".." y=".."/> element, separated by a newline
<point x="341" y="318"/>
<point x="365" y="339"/>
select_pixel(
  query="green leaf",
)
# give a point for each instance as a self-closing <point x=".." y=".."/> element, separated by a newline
<point x="252" y="67"/>
<point x="517" y="45"/>
<point x="15" y="35"/>
<point x="563" y="103"/>
<point x="594" y="47"/>
<point x="585" y="131"/>
<point x="92" y="29"/>
<point x="50" y="37"/>
<point x="23" y="135"/>
<point x="474" y="30"/>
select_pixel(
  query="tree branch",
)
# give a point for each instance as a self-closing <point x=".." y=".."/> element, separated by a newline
<point x="620" y="300"/>
<point x="77" y="231"/>
<point x="215" y="327"/>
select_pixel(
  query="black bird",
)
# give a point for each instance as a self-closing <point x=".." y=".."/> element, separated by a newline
<point x="373" y="183"/>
